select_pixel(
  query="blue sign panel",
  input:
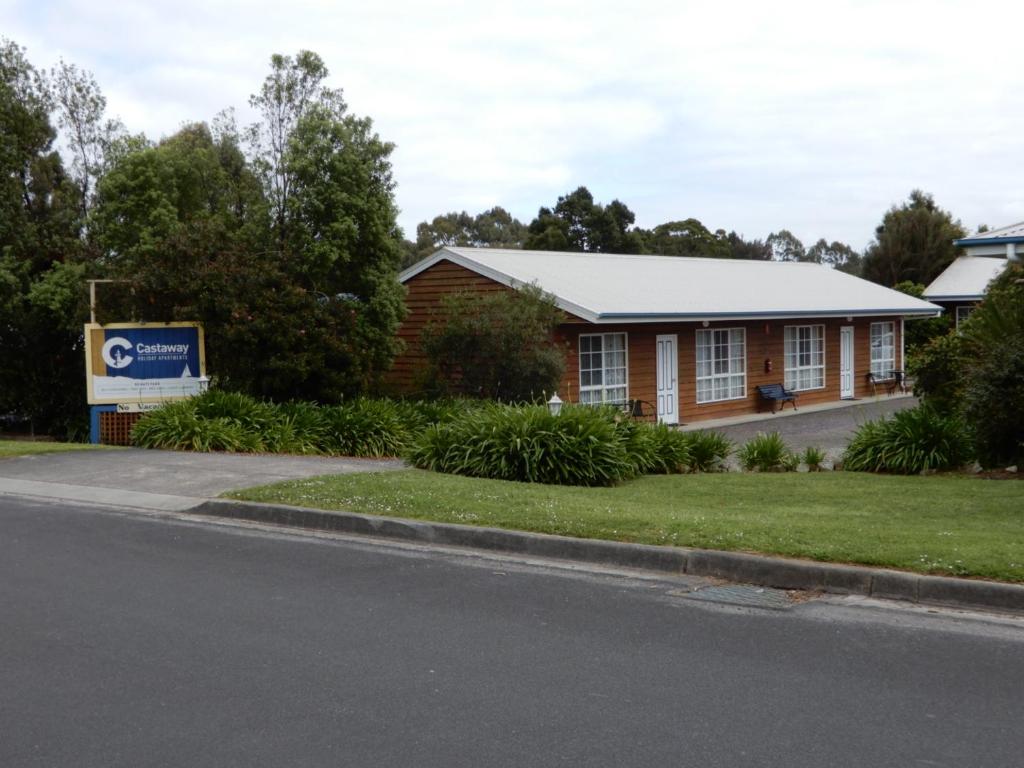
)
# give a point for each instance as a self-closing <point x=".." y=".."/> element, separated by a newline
<point x="151" y="353"/>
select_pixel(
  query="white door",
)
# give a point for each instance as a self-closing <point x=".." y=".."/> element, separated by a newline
<point x="668" y="369"/>
<point x="846" y="361"/>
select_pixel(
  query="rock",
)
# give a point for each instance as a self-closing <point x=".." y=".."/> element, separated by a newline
<point x="1012" y="469"/>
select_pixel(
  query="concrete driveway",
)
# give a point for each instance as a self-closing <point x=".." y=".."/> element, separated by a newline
<point x="168" y="480"/>
<point x="829" y="429"/>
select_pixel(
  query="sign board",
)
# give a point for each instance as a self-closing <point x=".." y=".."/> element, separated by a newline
<point x="136" y="363"/>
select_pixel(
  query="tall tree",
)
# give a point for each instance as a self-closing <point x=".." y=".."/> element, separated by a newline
<point x="755" y="250"/>
<point x="914" y="242"/>
<point x="42" y="296"/>
<point x="81" y="109"/>
<point x="494" y="228"/>
<point x="686" y="238"/>
<point x="835" y="254"/>
<point x="577" y="223"/>
<point x="786" y="246"/>
<point x="292" y="88"/>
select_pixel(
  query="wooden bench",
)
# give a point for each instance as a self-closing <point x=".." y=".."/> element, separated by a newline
<point x="774" y="393"/>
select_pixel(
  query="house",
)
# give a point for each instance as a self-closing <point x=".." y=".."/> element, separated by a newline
<point x="962" y="284"/>
<point x="693" y="335"/>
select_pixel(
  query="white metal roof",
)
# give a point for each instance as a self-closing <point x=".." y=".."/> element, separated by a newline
<point x="610" y="288"/>
<point x="1013" y="230"/>
<point x="965" y="279"/>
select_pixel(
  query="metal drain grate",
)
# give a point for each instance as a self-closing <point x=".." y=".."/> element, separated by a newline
<point x="753" y="597"/>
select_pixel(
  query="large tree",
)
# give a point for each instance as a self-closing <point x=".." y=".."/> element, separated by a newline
<point x="42" y="293"/>
<point x="686" y="238"/>
<point x="914" y="242"/>
<point x="577" y="223"/>
<point x="835" y="254"/>
<point x="494" y="228"/>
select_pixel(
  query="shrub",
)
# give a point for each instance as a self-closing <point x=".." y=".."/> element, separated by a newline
<point x="708" y="451"/>
<point x="177" y="427"/>
<point x="767" y="453"/>
<point x="581" y="446"/>
<point x="671" y="451"/>
<point x="993" y="370"/>
<point x="365" y="427"/>
<point x="936" y="369"/>
<point x="912" y="441"/>
<point x="814" y="458"/>
<point x="496" y="345"/>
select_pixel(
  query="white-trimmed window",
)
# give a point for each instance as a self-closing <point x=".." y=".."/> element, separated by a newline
<point x="805" y="356"/>
<point x="883" y="349"/>
<point x="603" y="368"/>
<point x="962" y="313"/>
<point x="721" y="364"/>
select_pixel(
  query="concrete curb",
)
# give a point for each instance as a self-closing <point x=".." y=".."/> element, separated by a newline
<point x="732" y="566"/>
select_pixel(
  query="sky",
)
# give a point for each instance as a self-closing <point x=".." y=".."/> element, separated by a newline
<point x="751" y="116"/>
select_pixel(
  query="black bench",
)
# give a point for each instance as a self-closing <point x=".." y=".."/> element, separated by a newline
<point x="892" y="381"/>
<point x="774" y="393"/>
<point x="640" y="409"/>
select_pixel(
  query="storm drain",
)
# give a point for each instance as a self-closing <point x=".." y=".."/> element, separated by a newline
<point x="737" y="594"/>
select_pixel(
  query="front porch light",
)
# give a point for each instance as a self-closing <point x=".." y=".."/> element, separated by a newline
<point x="555" y="404"/>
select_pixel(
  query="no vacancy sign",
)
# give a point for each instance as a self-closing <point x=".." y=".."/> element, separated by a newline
<point x="143" y="362"/>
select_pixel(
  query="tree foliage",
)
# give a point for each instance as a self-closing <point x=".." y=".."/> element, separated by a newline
<point x="914" y="242"/>
<point x="686" y="238"/>
<point x="577" y="223"/>
<point x="496" y="345"/>
<point x="42" y="296"/>
<point x="494" y="228"/>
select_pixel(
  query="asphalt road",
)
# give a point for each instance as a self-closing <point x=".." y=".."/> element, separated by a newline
<point x="128" y="640"/>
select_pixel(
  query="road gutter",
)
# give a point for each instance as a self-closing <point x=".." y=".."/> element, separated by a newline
<point x="738" y="567"/>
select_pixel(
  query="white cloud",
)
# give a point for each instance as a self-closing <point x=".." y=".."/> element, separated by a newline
<point x="752" y="116"/>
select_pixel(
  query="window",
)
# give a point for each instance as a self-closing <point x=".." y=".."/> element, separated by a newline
<point x="721" y="364"/>
<point x="962" y="313"/>
<point x="603" y="368"/>
<point x="883" y="349"/>
<point x="805" y="356"/>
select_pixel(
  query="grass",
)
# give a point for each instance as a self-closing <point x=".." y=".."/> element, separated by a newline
<point x="950" y="525"/>
<point x="28" y="447"/>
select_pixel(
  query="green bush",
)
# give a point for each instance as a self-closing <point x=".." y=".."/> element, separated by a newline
<point x="176" y="427"/>
<point x="767" y="453"/>
<point x="993" y="371"/>
<point x="581" y="446"/>
<point x="814" y="458"/>
<point x="708" y="451"/>
<point x="366" y="427"/>
<point x="912" y="441"/>
<point x="936" y="369"/>
<point x="671" y="451"/>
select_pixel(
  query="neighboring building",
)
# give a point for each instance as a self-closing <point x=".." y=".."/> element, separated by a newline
<point x="693" y="335"/>
<point x="962" y="284"/>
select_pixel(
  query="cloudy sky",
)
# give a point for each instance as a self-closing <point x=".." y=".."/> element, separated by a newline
<point x="757" y="116"/>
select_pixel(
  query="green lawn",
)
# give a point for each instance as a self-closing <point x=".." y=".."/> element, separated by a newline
<point x="26" y="447"/>
<point x="962" y="526"/>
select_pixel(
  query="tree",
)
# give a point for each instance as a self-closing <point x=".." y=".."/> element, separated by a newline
<point x="494" y="228"/>
<point x="496" y="345"/>
<point x="786" y="246"/>
<point x="579" y="224"/>
<point x="755" y="250"/>
<point x="80" y="111"/>
<point x="686" y="238"/>
<point x="42" y="296"/>
<point x="291" y="89"/>
<point x="914" y="242"/>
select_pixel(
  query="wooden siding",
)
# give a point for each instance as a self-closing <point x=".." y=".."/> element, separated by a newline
<point x="765" y="340"/>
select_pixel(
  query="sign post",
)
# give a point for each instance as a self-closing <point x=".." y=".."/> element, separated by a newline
<point x="135" y="367"/>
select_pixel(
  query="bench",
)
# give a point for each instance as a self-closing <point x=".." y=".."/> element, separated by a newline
<point x="774" y="393"/>
<point x="891" y="380"/>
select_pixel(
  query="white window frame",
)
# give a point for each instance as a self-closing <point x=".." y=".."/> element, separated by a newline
<point x="602" y="389"/>
<point x="965" y="310"/>
<point x="792" y="359"/>
<point x="730" y="358"/>
<point x="882" y="367"/>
